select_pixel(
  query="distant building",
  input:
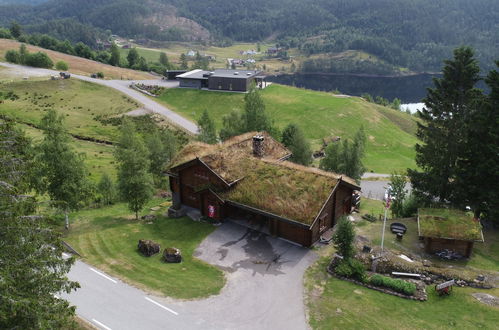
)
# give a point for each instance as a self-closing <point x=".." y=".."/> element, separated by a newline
<point x="191" y="53"/>
<point x="273" y="50"/>
<point x="222" y="79"/>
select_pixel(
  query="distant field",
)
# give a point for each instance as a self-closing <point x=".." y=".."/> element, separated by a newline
<point x="174" y="50"/>
<point x="81" y="102"/>
<point x="390" y="133"/>
<point x="76" y="64"/>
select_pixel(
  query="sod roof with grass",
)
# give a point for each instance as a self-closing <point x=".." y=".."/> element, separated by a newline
<point x="284" y="189"/>
<point x="448" y="224"/>
<point x="226" y="159"/>
<point x="270" y="183"/>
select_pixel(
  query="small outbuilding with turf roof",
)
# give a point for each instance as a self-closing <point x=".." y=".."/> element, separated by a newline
<point x="247" y="177"/>
<point x="448" y="229"/>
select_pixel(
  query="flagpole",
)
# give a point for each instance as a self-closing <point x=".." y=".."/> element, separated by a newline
<point x="387" y="206"/>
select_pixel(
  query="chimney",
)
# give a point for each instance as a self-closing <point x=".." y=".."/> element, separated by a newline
<point x="258" y="146"/>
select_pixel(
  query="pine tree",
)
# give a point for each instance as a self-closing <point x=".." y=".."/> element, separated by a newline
<point x="132" y="57"/>
<point x="135" y="182"/>
<point x="477" y="171"/>
<point x="447" y="111"/>
<point x="332" y="161"/>
<point x="15" y="30"/>
<point x="163" y="60"/>
<point x="398" y="192"/>
<point x="115" y="58"/>
<point x="32" y="269"/>
<point x="343" y="238"/>
<point x="207" y="132"/>
<point x="295" y="141"/>
<point x="60" y="171"/>
<point x="183" y="62"/>
<point x="255" y="117"/>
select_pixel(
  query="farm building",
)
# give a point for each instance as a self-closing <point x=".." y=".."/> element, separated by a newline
<point x="221" y="79"/>
<point x="247" y="179"/>
<point x="448" y="229"/>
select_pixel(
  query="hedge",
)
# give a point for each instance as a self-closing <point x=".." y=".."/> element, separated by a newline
<point x="397" y="285"/>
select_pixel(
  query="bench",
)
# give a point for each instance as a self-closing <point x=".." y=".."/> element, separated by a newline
<point x="418" y="276"/>
<point x="444" y="288"/>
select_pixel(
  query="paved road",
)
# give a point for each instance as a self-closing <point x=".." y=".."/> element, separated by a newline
<point x="376" y="189"/>
<point x="263" y="291"/>
<point x="122" y="86"/>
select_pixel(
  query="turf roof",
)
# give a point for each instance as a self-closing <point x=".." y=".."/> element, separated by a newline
<point x="225" y="158"/>
<point x="448" y="224"/>
<point x="284" y="189"/>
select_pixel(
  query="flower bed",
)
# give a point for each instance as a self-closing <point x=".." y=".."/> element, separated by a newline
<point x="386" y="285"/>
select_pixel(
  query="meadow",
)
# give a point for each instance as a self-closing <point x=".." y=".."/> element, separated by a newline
<point x="390" y="133"/>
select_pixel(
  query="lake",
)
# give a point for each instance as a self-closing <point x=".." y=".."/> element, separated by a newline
<point x="409" y="89"/>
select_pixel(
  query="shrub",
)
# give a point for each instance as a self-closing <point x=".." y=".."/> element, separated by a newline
<point x="12" y="56"/>
<point x="397" y="285"/>
<point x="39" y="60"/>
<point x="343" y="238"/>
<point x="62" y="66"/>
<point x="100" y="75"/>
<point x="410" y="206"/>
<point x="344" y="269"/>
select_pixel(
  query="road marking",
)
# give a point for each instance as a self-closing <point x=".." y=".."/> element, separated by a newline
<point x="100" y="324"/>
<point x="103" y="275"/>
<point x="158" y="304"/>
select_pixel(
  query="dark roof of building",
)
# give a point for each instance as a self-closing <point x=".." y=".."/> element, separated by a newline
<point x="224" y="73"/>
<point x="448" y="224"/>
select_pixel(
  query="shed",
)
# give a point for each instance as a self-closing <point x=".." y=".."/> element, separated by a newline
<point x="448" y="229"/>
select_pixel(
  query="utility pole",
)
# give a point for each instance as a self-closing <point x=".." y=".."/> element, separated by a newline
<point x="387" y="206"/>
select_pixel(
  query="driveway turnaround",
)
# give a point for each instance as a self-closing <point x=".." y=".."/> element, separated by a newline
<point x="264" y="289"/>
<point x="122" y="86"/>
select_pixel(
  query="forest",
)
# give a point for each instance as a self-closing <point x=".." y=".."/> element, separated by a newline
<point x="414" y="34"/>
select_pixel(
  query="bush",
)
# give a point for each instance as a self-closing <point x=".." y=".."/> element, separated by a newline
<point x="39" y="60"/>
<point x="351" y="268"/>
<point x="100" y="75"/>
<point x="410" y="206"/>
<point x="62" y="66"/>
<point x="397" y="285"/>
<point x="13" y="56"/>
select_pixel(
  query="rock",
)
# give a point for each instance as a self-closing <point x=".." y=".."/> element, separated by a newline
<point x="172" y="255"/>
<point x="357" y="291"/>
<point x="148" y="247"/>
<point x="480" y="278"/>
<point x="426" y="263"/>
<point x="338" y="310"/>
<point x="148" y="217"/>
<point x="486" y="298"/>
<point x="156" y="208"/>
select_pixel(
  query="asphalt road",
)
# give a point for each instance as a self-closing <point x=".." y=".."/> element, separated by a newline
<point x="376" y="189"/>
<point x="264" y="289"/>
<point x="122" y="86"/>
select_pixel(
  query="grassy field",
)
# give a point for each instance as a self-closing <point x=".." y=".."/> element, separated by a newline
<point x="81" y="102"/>
<point x="390" y="133"/>
<point x="221" y="54"/>
<point x="336" y="304"/>
<point x="77" y="64"/>
<point x="107" y="238"/>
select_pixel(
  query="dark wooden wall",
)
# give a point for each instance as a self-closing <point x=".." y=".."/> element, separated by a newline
<point x="433" y="245"/>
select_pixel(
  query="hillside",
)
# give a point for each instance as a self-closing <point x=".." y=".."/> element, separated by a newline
<point x="390" y="133"/>
<point x="414" y="34"/>
<point x="77" y="64"/>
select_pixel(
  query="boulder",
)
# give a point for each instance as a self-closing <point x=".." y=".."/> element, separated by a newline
<point x="148" y="247"/>
<point x="172" y="255"/>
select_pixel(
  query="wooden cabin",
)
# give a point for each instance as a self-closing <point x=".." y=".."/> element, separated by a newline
<point x="448" y="229"/>
<point x="247" y="177"/>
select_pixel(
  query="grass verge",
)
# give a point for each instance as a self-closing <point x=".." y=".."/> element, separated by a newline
<point x="108" y="237"/>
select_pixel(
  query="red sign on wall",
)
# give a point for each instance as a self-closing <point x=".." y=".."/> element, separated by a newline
<point x="211" y="211"/>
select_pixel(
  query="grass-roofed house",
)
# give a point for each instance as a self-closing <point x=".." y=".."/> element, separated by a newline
<point x="248" y="178"/>
<point x="448" y="229"/>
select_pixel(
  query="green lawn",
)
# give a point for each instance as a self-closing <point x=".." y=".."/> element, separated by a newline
<point x="108" y="237"/>
<point x="390" y="133"/>
<point x="81" y="102"/>
<point x="337" y="304"/>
